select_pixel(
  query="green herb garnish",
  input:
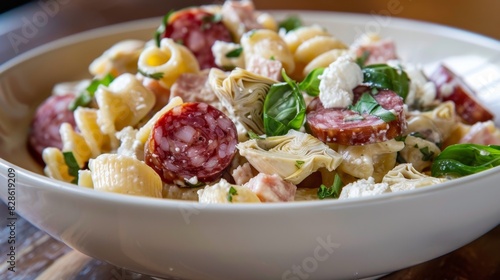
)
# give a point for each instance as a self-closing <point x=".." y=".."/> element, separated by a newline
<point x="361" y="61"/>
<point x="299" y="163"/>
<point x="284" y="107"/>
<point x="368" y="105"/>
<point x="234" y="53"/>
<point x="154" y="76"/>
<point x="333" y="191"/>
<point x="311" y="83"/>
<point x="73" y="166"/>
<point x="232" y="191"/>
<point x="86" y="96"/>
<point x="383" y="76"/>
<point x="162" y="28"/>
<point x="290" y="23"/>
<point x="465" y="159"/>
<point x="426" y="154"/>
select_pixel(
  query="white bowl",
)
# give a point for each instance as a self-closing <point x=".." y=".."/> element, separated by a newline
<point x="320" y="239"/>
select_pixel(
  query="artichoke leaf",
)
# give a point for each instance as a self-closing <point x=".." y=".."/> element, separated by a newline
<point x="292" y="156"/>
<point x="242" y="93"/>
<point x="406" y="177"/>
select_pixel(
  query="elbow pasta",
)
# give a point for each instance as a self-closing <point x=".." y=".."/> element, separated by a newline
<point x="170" y="59"/>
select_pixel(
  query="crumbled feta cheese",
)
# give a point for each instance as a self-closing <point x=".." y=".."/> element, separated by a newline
<point x="337" y="82"/>
<point x="220" y="49"/>
<point x="363" y="187"/>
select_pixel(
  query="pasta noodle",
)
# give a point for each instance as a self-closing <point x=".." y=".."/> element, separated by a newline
<point x="137" y="136"/>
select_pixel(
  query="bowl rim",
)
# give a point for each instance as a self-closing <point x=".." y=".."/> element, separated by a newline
<point x="49" y="184"/>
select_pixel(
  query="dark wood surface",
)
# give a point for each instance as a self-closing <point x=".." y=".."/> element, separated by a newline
<point x="40" y="256"/>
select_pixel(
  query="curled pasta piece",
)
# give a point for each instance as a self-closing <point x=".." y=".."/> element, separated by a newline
<point x="86" y="121"/>
<point x="419" y="151"/>
<point x="242" y="93"/>
<point x="306" y="43"/>
<point x="269" y="45"/>
<point x="359" y="161"/>
<point x="436" y="125"/>
<point x="293" y="156"/>
<point x="406" y="177"/>
<point x="126" y="175"/>
<point x="55" y="166"/>
<point x="75" y="142"/>
<point x="223" y="192"/>
<point x="124" y="103"/>
<point x="121" y="58"/>
<point x="324" y="60"/>
<point x="169" y="61"/>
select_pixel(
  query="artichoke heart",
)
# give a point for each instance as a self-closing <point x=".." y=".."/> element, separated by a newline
<point x="242" y="93"/>
<point x="292" y="156"/>
<point x="406" y="177"/>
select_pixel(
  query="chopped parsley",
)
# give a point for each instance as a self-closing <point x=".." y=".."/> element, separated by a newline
<point x="426" y="154"/>
<point x="234" y="53"/>
<point x="299" y="163"/>
<point x="162" y="28"/>
<point x="155" y="76"/>
<point x="333" y="191"/>
<point x="232" y="191"/>
<point x="86" y="96"/>
<point x="73" y="166"/>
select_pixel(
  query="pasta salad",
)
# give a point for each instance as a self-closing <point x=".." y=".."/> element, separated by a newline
<point x="228" y="104"/>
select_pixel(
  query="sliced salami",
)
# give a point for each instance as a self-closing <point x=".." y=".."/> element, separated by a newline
<point x="451" y="87"/>
<point x="347" y="127"/>
<point x="48" y="118"/>
<point x="190" y="144"/>
<point x="198" y="30"/>
<point x="194" y="87"/>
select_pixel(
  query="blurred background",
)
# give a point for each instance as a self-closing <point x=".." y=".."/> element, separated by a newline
<point x="27" y="24"/>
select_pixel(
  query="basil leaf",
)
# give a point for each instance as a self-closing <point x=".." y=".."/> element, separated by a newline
<point x="384" y="76"/>
<point x="465" y="159"/>
<point x="234" y="53"/>
<point x="162" y="28"/>
<point x="368" y="105"/>
<point x="333" y="191"/>
<point x="73" y="166"/>
<point x="284" y="107"/>
<point x="290" y="23"/>
<point x="311" y="83"/>
<point x="86" y="96"/>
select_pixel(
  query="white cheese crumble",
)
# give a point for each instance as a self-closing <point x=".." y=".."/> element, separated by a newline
<point x="220" y="49"/>
<point x="337" y="82"/>
<point x="364" y="187"/>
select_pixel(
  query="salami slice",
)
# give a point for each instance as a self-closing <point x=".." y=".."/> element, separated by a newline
<point x="193" y="142"/>
<point x="48" y="118"/>
<point x="347" y="127"/>
<point x="198" y="30"/>
<point x="451" y="87"/>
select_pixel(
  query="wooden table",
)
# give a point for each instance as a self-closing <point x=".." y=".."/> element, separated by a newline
<point x="40" y="256"/>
